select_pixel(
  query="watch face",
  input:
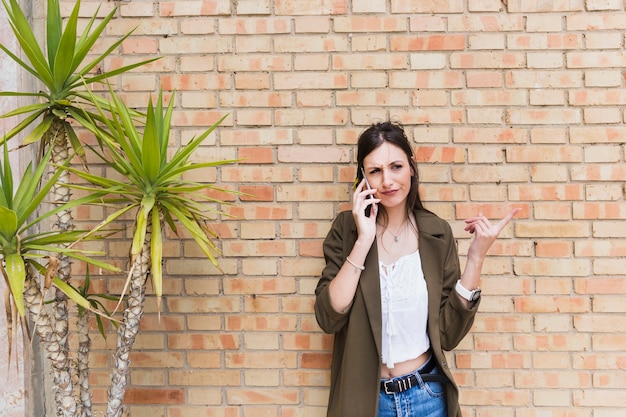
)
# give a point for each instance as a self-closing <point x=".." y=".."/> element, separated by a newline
<point x="475" y="295"/>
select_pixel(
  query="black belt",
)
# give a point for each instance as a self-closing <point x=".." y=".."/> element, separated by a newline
<point x="405" y="383"/>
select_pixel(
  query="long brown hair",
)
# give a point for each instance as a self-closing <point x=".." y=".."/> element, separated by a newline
<point x="391" y="132"/>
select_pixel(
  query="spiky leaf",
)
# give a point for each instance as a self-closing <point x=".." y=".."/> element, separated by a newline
<point x="15" y="271"/>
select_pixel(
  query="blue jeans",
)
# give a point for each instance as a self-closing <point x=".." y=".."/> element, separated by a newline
<point x="424" y="400"/>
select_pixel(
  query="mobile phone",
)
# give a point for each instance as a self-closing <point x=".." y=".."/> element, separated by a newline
<point x="368" y="209"/>
<point x="367" y="184"/>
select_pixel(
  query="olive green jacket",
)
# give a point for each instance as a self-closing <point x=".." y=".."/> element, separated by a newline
<point x="355" y="370"/>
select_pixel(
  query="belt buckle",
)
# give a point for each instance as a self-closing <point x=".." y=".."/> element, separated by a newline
<point x="387" y="385"/>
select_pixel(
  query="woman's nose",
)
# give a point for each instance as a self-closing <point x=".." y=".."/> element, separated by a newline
<point x="385" y="177"/>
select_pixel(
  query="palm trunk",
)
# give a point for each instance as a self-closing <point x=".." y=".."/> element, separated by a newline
<point x="82" y="359"/>
<point x="57" y="138"/>
<point x="33" y="299"/>
<point x="128" y="329"/>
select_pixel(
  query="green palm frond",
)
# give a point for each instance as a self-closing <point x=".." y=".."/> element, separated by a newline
<point x="19" y="246"/>
<point x="155" y="184"/>
<point x="62" y="69"/>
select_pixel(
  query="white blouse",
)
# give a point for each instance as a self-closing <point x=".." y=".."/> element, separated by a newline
<point x="404" y="298"/>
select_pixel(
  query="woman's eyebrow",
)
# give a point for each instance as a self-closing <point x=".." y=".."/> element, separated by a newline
<point x="399" y="161"/>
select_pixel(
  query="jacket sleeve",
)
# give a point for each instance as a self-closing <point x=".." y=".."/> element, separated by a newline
<point x="455" y="318"/>
<point x="330" y="320"/>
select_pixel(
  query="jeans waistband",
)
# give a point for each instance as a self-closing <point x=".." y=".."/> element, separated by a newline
<point x="405" y="383"/>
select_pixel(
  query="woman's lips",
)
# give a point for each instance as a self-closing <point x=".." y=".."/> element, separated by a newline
<point x="389" y="193"/>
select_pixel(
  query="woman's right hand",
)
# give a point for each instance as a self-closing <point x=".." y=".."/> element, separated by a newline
<point x="361" y="200"/>
<point x="343" y="286"/>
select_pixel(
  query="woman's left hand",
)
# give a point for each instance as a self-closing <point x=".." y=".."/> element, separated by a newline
<point x="485" y="233"/>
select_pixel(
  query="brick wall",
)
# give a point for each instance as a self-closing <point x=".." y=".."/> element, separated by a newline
<point x="517" y="103"/>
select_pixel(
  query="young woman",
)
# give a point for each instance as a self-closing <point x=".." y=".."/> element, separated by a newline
<point x="392" y="291"/>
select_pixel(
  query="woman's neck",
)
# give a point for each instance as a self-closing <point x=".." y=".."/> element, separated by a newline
<point x="396" y="217"/>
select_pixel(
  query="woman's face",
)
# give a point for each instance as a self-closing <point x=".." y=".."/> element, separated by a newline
<point x="388" y="170"/>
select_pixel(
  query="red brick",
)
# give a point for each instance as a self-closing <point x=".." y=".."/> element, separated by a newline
<point x="315" y="360"/>
<point x="428" y="43"/>
<point x="439" y="154"/>
<point x="154" y="396"/>
<point x="256" y="193"/>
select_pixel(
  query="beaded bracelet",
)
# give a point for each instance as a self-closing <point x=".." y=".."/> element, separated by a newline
<point x="356" y="267"/>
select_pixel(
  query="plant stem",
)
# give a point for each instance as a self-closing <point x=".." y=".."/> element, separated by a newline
<point x="57" y="138"/>
<point x="128" y="329"/>
<point x="33" y="299"/>
<point x="82" y="359"/>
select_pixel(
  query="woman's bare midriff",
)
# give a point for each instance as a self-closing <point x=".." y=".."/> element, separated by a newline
<point x="405" y="367"/>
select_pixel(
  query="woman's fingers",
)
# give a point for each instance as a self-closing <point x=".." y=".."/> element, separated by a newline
<point x="485" y="226"/>
<point x="364" y="206"/>
<point x="502" y="223"/>
<point x="485" y="233"/>
<point x="364" y="198"/>
<point x="472" y="222"/>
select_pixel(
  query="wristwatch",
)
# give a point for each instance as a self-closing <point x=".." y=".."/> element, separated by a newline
<point x="470" y="296"/>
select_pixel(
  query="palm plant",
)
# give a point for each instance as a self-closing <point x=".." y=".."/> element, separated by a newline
<point x="63" y="71"/>
<point x="30" y="255"/>
<point x="154" y="186"/>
